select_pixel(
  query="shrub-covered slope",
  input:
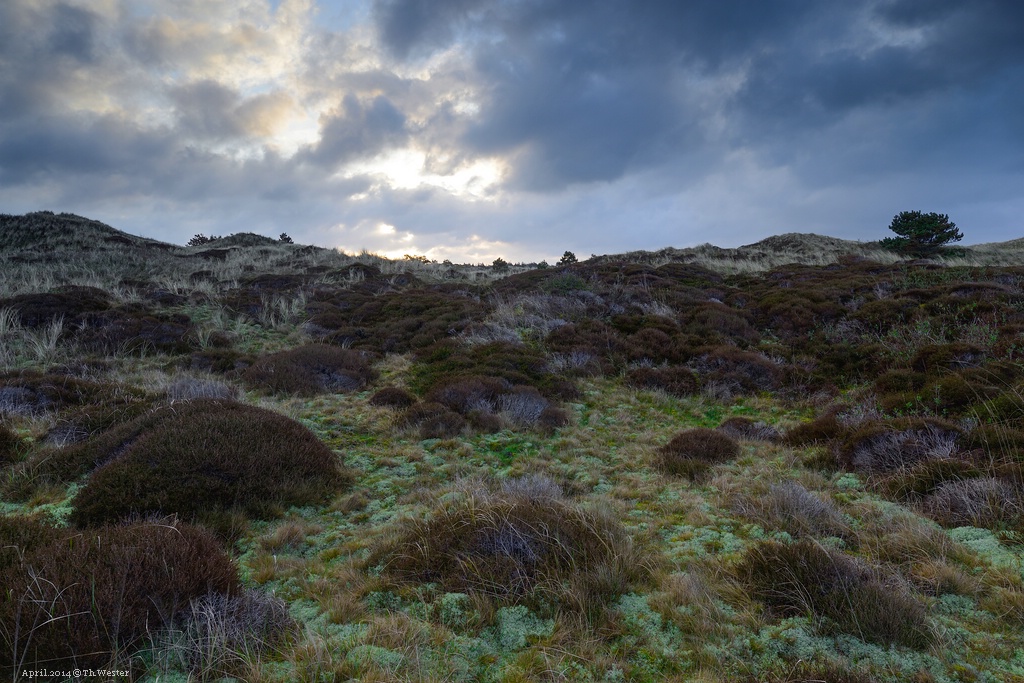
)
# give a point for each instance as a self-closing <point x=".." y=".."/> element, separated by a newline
<point x="760" y="464"/>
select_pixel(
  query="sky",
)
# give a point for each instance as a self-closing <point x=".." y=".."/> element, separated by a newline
<point x="475" y="129"/>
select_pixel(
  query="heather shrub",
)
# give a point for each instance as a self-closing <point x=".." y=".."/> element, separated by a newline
<point x="433" y="420"/>
<point x="983" y="502"/>
<point x="693" y="452"/>
<point x="821" y="430"/>
<point x="524" y="542"/>
<point x="73" y="304"/>
<point x="136" y="330"/>
<point x="510" y="364"/>
<point x="878" y="447"/>
<point x="468" y="393"/>
<point x="739" y="427"/>
<point x="737" y="371"/>
<point x="392" y="397"/>
<point x="939" y="358"/>
<point x="845" y="593"/>
<point x="792" y="508"/>
<point x="916" y="481"/>
<point x="718" y="324"/>
<point x="221" y="635"/>
<point x="677" y="381"/>
<point x="84" y="599"/>
<point x="202" y="459"/>
<point x="10" y="446"/>
<point x="309" y="370"/>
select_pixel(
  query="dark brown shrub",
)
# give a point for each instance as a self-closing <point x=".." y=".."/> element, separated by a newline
<point x="738" y="371"/>
<point x="84" y="598"/>
<point x="130" y="330"/>
<point x="694" y="451"/>
<point x="71" y="304"/>
<point x="469" y="393"/>
<point x="804" y="577"/>
<point x="916" y="481"/>
<point x="656" y="345"/>
<point x="879" y="447"/>
<point x="749" y="430"/>
<point x="820" y="430"/>
<point x="201" y="459"/>
<point x="512" y="364"/>
<point x="525" y="542"/>
<point x="10" y="446"/>
<point x="792" y="508"/>
<point x="677" y="381"/>
<point x="718" y="323"/>
<point x="883" y="314"/>
<point x="900" y="381"/>
<point x="310" y="370"/>
<point x="392" y="397"/>
<point x="219" y="360"/>
<point x="434" y="421"/>
<point x="983" y="502"/>
<point x="551" y="418"/>
<point x="939" y="358"/>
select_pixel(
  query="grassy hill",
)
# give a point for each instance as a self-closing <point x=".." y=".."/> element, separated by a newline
<point x="797" y="460"/>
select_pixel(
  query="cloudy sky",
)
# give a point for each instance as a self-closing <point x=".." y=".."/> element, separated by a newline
<point x="471" y="129"/>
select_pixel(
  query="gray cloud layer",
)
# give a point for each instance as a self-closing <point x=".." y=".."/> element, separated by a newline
<point x="706" y="120"/>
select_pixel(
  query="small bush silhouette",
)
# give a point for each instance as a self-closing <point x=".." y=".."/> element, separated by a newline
<point x="82" y="598"/>
<point x="310" y="370"/>
<point x="220" y="635"/>
<point x="524" y="542"/>
<point x="202" y="460"/>
<point x="676" y="381"/>
<point x="693" y="452"/>
<point x="744" y="428"/>
<point x="803" y="577"/>
<point x="792" y="508"/>
<point x="392" y="397"/>
<point x="74" y="304"/>
<point x="885" y="447"/>
<point x="434" y="421"/>
<point x="983" y="502"/>
<point x="10" y="446"/>
<point x="921" y="234"/>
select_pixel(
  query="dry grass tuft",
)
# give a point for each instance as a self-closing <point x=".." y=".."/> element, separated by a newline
<point x="803" y="578"/>
<point x="522" y="542"/>
<point x="87" y="598"/>
<point x="691" y="453"/>
<point x="310" y="370"/>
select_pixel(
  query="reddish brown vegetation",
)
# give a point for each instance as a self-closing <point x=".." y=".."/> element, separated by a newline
<point x="83" y="599"/>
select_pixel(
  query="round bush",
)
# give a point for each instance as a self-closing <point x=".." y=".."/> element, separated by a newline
<point x="392" y="397"/>
<point x="310" y="370"/>
<point x="205" y="458"/>
<point x="523" y="542"/>
<point x="745" y="428"/>
<point x="673" y="380"/>
<point x="692" y="452"/>
<point x="10" y="446"/>
<point x="77" y="599"/>
<point x="797" y="578"/>
<point x="434" y="421"/>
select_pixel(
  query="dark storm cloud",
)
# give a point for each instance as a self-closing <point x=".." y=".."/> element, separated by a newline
<point x="357" y="129"/>
<point x="590" y="91"/>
